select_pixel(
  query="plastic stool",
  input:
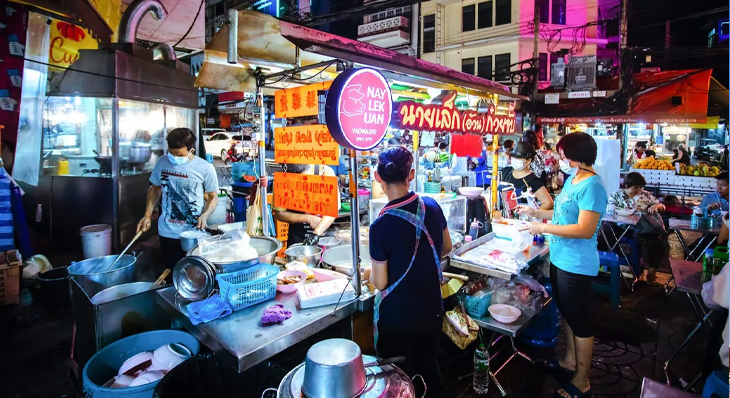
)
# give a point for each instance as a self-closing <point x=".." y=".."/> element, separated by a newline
<point x="635" y="255"/>
<point x="613" y="289"/>
<point x="716" y="384"/>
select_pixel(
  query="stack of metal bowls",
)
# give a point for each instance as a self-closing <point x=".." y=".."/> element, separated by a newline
<point x="194" y="278"/>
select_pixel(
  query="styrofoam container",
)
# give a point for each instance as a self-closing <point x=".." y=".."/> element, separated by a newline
<point x="504" y="313"/>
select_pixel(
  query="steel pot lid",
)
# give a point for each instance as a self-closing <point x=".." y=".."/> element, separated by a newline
<point x="194" y="278"/>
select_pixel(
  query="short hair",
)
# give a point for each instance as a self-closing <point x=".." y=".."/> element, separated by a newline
<point x="508" y="143"/>
<point x="641" y="144"/>
<point x="394" y="164"/>
<point x="722" y="176"/>
<point x="634" y="179"/>
<point x="181" y="137"/>
<point x="650" y="153"/>
<point x="530" y="136"/>
<point x="578" y="147"/>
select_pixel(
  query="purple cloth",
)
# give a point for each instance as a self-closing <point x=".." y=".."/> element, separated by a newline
<point x="275" y="314"/>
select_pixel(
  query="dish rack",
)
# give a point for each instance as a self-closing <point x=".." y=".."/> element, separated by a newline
<point x="244" y="288"/>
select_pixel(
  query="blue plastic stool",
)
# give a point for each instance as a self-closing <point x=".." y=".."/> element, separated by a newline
<point x="634" y="256"/>
<point x="613" y="289"/>
<point x="544" y="328"/>
<point x="716" y="384"/>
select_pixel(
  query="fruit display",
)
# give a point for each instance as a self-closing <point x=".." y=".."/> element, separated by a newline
<point x="700" y="170"/>
<point x="652" y="164"/>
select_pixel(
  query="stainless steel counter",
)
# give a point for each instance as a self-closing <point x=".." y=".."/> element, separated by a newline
<point x="536" y="252"/>
<point x="513" y="329"/>
<point x="241" y="340"/>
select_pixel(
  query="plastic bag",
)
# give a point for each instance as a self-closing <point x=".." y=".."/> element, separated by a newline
<point x="254" y="223"/>
<point x="529" y="281"/>
<point x="519" y="296"/>
<point x="234" y="245"/>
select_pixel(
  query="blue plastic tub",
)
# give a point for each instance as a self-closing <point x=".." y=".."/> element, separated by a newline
<point x="106" y="363"/>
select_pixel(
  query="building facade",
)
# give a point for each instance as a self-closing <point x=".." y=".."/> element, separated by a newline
<point x="394" y="28"/>
<point x="490" y="38"/>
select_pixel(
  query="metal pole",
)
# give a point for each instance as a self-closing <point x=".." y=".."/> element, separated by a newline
<point x="416" y="158"/>
<point x="232" y="36"/>
<point x="535" y="47"/>
<point x="262" y="164"/>
<point x="355" y="222"/>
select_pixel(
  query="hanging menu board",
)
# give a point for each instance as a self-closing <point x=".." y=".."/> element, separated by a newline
<point x="306" y="193"/>
<point x="299" y="101"/>
<point x="305" y="145"/>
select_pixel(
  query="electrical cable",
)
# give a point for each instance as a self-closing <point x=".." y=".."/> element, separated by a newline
<point x="200" y="7"/>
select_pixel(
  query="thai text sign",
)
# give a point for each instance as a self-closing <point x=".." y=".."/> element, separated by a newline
<point x="306" y="193"/>
<point x="359" y="108"/>
<point x="299" y="101"/>
<point x="446" y="118"/>
<point x="305" y="145"/>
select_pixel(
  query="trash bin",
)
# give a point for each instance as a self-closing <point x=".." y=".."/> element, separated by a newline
<point x="204" y="376"/>
<point x="55" y="288"/>
<point x="106" y="363"/>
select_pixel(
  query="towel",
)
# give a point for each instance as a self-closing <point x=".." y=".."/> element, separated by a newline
<point x="275" y="314"/>
<point x="208" y="310"/>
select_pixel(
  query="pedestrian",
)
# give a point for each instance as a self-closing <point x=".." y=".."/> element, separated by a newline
<point x="407" y="242"/>
<point x="188" y="187"/>
<point x="574" y="256"/>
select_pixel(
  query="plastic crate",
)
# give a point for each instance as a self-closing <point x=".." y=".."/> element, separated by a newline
<point x="248" y="287"/>
<point x="10" y="284"/>
<point x="478" y="307"/>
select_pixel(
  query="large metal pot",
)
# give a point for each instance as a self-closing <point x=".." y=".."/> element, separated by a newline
<point x="266" y="247"/>
<point x="340" y="258"/>
<point x="140" y="153"/>
<point x="92" y="275"/>
<point x="120" y="291"/>
<point x="309" y="255"/>
<point x="334" y="369"/>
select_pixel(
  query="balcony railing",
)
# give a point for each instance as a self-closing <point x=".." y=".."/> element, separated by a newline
<point x="385" y="25"/>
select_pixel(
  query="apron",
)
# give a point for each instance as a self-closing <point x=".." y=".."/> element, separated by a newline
<point x="417" y="221"/>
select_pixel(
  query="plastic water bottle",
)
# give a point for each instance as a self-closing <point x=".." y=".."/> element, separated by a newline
<point x="481" y="370"/>
<point x="474" y="229"/>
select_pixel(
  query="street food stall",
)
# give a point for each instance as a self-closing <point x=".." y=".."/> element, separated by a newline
<point x="334" y="92"/>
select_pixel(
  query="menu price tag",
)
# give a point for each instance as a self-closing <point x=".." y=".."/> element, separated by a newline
<point x="299" y="101"/>
<point x="306" y="193"/>
<point x="305" y="145"/>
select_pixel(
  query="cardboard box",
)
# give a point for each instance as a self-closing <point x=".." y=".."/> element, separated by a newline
<point x="10" y="284"/>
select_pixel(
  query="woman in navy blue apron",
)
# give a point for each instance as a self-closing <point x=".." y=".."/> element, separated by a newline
<point x="407" y="241"/>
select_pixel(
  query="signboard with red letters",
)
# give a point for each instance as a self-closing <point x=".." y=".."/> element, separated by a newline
<point x="359" y="108"/>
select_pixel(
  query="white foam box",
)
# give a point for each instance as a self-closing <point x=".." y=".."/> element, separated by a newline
<point x="683" y="181"/>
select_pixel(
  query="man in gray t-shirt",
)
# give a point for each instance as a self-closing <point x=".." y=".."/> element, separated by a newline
<point x="188" y="186"/>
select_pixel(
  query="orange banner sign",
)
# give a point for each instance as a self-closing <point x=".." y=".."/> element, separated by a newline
<point x="307" y="193"/>
<point x="305" y="145"/>
<point x="299" y="101"/>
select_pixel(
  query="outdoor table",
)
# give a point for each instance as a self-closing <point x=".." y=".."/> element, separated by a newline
<point x="624" y="224"/>
<point x="239" y="338"/>
<point x="511" y="330"/>
<point x="688" y="279"/>
<point x="708" y="234"/>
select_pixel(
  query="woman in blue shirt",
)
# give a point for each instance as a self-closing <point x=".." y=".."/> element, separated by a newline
<point x="574" y="255"/>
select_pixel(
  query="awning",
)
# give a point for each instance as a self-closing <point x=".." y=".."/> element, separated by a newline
<point x="672" y="97"/>
<point x="83" y="13"/>
<point x="266" y="42"/>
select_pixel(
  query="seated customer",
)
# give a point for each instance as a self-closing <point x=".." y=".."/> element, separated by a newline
<point x="717" y="201"/>
<point x="654" y="248"/>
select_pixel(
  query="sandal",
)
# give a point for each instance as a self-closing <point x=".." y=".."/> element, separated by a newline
<point x="554" y="365"/>
<point x="573" y="391"/>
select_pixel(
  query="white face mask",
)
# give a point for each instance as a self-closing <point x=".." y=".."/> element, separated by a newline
<point x="565" y="167"/>
<point x="178" y="160"/>
<point x="517" y="164"/>
<point x="725" y="220"/>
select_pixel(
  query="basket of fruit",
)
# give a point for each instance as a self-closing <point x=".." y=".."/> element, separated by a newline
<point x="700" y="170"/>
<point x="650" y="163"/>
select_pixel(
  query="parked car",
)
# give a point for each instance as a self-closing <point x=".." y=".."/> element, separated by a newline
<point x="219" y="143"/>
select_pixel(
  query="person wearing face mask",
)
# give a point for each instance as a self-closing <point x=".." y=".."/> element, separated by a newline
<point x="574" y="256"/>
<point x="188" y="186"/>
<point x="521" y="176"/>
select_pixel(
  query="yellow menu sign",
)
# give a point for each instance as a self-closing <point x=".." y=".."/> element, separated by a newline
<point x="66" y="41"/>
<point x="305" y="145"/>
<point x="306" y="193"/>
<point x="299" y="101"/>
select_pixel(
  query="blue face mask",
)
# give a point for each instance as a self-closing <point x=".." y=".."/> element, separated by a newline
<point x="565" y="168"/>
<point x="178" y="160"/>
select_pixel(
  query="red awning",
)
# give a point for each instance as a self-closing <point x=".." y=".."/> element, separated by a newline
<point x="674" y="97"/>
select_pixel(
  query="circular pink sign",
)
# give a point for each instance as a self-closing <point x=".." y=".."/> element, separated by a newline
<point x="363" y="108"/>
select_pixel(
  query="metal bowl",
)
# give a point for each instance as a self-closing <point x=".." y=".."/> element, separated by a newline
<point x="309" y="255"/>
<point x="92" y="275"/>
<point x="334" y="369"/>
<point x="266" y="248"/>
<point x="189" y="239"/>
<point x="328" y="242"/>
<point x="194" y="278"/>
<point x="340" y="258"/>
